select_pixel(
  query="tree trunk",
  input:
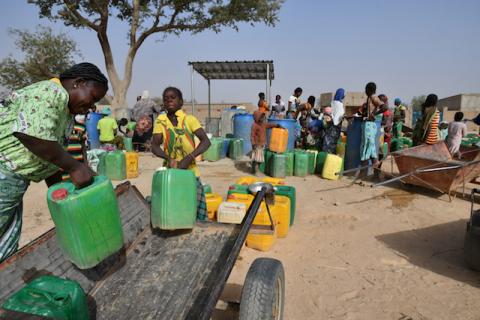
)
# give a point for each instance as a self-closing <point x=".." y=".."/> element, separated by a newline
<point x="119" y="101"/>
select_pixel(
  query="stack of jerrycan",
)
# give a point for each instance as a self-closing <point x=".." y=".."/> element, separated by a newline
<point x="113" y="165"/>
<point x="276" y="166"/>
<point x="280" y="190"/>
<point x="259" y="241"/>
<point x="214" y="152"/>
<point x="174" y="199"/>
<point x="50" y="297"/>
<point x="87" y="221"/>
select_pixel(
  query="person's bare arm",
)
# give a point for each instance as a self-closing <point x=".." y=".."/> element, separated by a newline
<point x="201" y="148"/>
<point x="53" y="152"/>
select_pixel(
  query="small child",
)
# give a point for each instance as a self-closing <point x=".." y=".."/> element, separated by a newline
<point x="175" y="130"/>
<point x="259" y="138"/>
<point x="107" y="127"/>
<point x="457" y="129"/>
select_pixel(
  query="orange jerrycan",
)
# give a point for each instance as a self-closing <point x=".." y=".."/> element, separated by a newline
<point x="278" y="140"/>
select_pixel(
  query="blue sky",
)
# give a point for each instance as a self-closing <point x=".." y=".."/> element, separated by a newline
<point x="407" y="47"/>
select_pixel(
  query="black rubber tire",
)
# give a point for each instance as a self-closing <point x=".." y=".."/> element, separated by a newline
<point x="263" y="293"/>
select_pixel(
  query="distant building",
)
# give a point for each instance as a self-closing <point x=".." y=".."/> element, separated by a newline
<point x="352" y="102"/>
<point x="469" y="104"/>
<point x="201" y="109"/>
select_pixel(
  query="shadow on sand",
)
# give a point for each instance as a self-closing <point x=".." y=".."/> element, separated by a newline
<point x="437" y="248"/>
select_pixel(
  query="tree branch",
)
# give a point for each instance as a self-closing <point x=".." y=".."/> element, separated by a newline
<point x="76" y="15"/>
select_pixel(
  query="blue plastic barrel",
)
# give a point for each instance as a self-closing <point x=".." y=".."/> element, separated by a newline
<point x="92" y="131"/>
<point x="288" y="124"/>
<point x="354" y="141"/>
<point x="242" y="127"/>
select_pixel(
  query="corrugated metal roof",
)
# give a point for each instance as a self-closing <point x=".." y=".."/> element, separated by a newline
<point x="234" y="70"/>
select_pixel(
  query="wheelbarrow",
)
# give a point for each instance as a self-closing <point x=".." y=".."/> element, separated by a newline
<point x="432" y="167"/>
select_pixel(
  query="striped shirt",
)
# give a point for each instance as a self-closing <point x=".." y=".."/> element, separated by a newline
<point x="74" y="145"/>
<point x="432" y="135"/>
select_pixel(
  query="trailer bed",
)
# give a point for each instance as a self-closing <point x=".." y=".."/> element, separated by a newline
<point x="167" y="275"/>
<point x="158" y="274"/>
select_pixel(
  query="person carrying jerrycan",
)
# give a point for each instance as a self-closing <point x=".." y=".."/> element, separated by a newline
<point x="34" y="122"/>
<point x="175" y="130"/>
<point x="258" y="138"/>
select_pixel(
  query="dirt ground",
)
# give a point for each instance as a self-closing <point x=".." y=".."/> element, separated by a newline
<point x="355" y="252"/>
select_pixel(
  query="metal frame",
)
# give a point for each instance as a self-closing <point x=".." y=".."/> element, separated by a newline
<point x="232" y="70"/>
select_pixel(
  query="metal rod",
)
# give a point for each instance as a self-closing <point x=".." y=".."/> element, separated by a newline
<point x="267" y="85"/>
<point x="193" y="90"/>
<point x="209" y="107"/>
<point x="424" y="169"/>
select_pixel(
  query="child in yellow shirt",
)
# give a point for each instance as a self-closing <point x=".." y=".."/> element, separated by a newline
<point x="176" y="130"/>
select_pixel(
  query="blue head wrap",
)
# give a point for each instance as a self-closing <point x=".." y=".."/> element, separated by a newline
<point x="339" y="95"/>
<point x="397" y="101"/>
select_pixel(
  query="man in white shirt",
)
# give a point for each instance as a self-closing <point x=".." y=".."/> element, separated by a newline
<point x="278" y="108"/>
<point x="294" y="102"/>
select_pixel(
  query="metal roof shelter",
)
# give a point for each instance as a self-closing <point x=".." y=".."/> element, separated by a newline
<point x="232" y="70"/>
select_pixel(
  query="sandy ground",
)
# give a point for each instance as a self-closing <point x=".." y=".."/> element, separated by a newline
<point x="353" y="253"/>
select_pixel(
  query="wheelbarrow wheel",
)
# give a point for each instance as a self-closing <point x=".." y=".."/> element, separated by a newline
<point x="263" y="292"/>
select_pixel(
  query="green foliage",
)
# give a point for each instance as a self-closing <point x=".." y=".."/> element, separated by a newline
<point x="148" y="17"/>
<point x="45" y="56"/>
<point x="168" y="16"/>
<point x="417" y="102"/>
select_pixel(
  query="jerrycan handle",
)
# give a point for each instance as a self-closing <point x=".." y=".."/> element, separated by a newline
<point x="58" y="299"/>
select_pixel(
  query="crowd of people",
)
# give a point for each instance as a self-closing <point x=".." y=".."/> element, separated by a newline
<point x="39" y="140"/>
<point x="320" y="127"/>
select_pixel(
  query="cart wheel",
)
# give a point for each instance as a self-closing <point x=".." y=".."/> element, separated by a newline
<point x="263" y="292"/>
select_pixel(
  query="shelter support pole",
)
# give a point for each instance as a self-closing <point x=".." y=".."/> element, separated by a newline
<point x="192" y="90"/>
<point x="267" y="86"/>
<point x="209" y="102"/>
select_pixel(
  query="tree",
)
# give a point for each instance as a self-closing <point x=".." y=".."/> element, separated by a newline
<point x="148" y="17"/>
<point x="417" y="102"/>
<point x="45" y="55"/>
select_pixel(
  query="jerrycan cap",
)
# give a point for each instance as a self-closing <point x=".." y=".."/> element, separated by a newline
<point x="59" y="194"/>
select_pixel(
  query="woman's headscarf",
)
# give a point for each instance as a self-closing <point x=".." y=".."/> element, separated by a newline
<point x="339" y="95"/>
<point x="337" y="106"/>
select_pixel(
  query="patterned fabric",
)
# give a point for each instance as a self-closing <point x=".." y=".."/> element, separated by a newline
<point x="257" y="154"/>
<point x="369" y="133"/>
<point x="143" y="107"/>
<point x="432" y="135"/>
<point x="178" y="140"/>
<point x="201" y="202"/>
<point x="12" y="189"/>
<point x="329" y="137"/>
<point x="74" y="145"/>
<point x="41" y="111"/>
